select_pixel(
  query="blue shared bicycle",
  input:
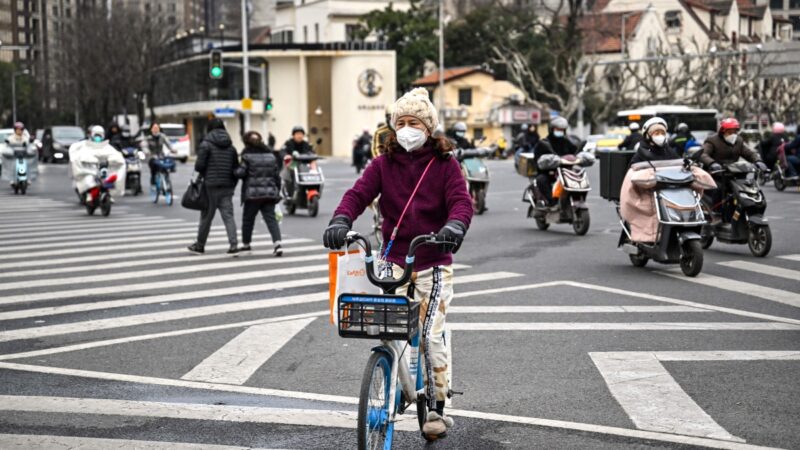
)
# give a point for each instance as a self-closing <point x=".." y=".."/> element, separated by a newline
<point x="391" y="382"/>
<point x="163" y="184"/>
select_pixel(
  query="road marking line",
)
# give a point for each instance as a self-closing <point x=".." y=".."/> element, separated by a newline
<point x="569" y="309"/>
<point x="533" y="421"/>
<point x="72" y="242"/>
<point x="49" y="442"/>
<point x="764" y="269"/>
<point x="157" y="285"/>
<point x="190" y="411"/>
<point x="186" y="313"/>
<point x="729" y="284"/>
<point x="658" y="298"/>
<point x="622" y="326"/>
<point x="790" y="257"/>
<point x="87" y="221"/>
<point x="236" y="361"/>
<point x="159" y="261"/>
<point x="149" y="230"/>
<point x="655" y="401"/>
<point x="114" y="248"/>
<point x="79" y="260"/>
<point x="178" y="270"/>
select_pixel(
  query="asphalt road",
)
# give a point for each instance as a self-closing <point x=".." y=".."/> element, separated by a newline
<point x="113" y="336"/>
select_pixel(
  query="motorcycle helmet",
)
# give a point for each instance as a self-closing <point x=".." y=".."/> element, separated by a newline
<point x="19" y="126"/>
<point x="633" y="126"/>
<point x="560" y="123"/>
<point x="524" y="127"/>
<point x="298" y="129"/>
<point x="778" y="128"/>
<point x="652" y="125"/>
<point x="97" y="133"/>
<point x="460" y="126"/>
<point x="728" y="124"/>
<point x="682" y="127"/>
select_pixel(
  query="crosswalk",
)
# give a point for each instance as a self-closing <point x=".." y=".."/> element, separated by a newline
<point x="70" y="283"/>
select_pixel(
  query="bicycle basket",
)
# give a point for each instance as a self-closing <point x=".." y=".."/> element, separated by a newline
<point x="386" y="317"/>
<point x="165" y="163"/>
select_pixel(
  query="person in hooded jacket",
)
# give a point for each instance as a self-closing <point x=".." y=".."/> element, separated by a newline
<point x="217" y="161"/>
<point x="654" y="145"/>
<point x="555" y="143"/>
<point x="115" y="136"/>
<point x="442" y="205"/>
<point x="260" y="172"/>
<point x="769" y="147"/>
<point x="630" y="141"/>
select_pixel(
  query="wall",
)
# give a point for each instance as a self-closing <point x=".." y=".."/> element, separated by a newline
<point x="287" y="92"/>
<point x="352" y="110"/>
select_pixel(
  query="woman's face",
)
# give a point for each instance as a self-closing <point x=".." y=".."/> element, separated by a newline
<point x="410" y="121"/>
<point x="658" y="132"/>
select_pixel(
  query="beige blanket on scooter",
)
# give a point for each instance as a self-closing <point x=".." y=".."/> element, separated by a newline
<point x="637" y="204"/>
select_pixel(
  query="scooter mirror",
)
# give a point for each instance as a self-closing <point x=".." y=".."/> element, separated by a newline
<point x="694" y="152"/>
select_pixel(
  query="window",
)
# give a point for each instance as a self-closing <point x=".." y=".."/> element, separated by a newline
<point x="316" y="32"/>
<point x="305" y="34"/>
<point x="672" y="19"/>
<point x="776" y="4"/>
<point x="477" y="134"/>
<point x="55" y="10"/>
<point x="465" y="96"/>
<point x="351" y="31"/>
<point x="172" y="7"/>
<point x="68" y="13"/>
<point x="171" y="20"/>
<point x="794" y="4"/>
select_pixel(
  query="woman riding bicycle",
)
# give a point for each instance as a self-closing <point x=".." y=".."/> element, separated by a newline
<point x="421" y="191"/>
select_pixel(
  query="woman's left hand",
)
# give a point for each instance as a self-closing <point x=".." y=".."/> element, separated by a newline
<point x="451" y="236"/>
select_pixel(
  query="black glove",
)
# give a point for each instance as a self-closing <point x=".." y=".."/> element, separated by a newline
<point x="715" y="167"/>
<point x="761" y="166"/>
<point x="334" y="236"/>
<point x="452" y="235"/>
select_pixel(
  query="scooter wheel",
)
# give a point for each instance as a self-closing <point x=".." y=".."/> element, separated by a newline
<point x="780" y="185"/>
<point x="105" y="206"/>
<point x="706" y="238"/>
<point x="639" y="260"/>
<point x="313" y="206"/>
<point x="480" y="201"/>
<point x="760" y="240"/>
<point x="90" y="209"/>
<point x="581" y="222"/>
<point x="692" y="258"/>
<point x="23" y="188"/>
<point x="16" y="189"/>
<point x="541" y="223"/>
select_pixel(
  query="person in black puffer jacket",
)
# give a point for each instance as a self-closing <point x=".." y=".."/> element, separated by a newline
<point x="216" y="162"/>
<point x="260" y="171"/>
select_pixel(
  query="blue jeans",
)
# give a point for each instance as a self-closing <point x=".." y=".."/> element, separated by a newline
<point x="793" y="165"/>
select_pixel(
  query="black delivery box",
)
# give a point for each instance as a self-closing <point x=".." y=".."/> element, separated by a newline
<point x="613" y="167"/>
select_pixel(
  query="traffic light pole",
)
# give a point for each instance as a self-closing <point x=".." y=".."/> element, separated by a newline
<point x="246" y="64"/>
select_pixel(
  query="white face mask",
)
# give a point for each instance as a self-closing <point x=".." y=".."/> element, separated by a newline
<point x="411" y="138"/>
<point x="732" y="138"/>
<point x="659" y="139"/>
<point x="558" y="134"/>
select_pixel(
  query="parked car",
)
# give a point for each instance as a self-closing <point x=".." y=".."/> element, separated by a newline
<point x="56" y="141"/>
<point x="179" y="139"/>
<point x="4" y="133"/>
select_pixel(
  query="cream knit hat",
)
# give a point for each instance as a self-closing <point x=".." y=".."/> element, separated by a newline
<point x="416" y="103"/>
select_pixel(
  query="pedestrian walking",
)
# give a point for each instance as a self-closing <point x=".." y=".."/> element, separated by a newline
<point x="260" y="172"/>
<point x="217" y="161"/>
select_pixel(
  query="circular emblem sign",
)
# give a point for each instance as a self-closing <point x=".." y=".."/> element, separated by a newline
<point x="370" y="83"/>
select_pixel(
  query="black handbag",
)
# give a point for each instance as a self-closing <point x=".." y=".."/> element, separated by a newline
<point x="195" y="196"/>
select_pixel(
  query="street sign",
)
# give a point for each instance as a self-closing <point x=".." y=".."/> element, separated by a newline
<point x="247" y="104"/>
<point x="224" y="112"/>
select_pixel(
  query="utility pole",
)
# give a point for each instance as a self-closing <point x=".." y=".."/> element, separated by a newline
<point x="246" y="66"/>
<point x="441" y="62"/>
<point x="581" y="82"/>
<point x="14" y="93"/>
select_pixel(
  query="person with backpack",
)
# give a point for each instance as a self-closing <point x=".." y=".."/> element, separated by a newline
<point x="216" y="162"/>
<point x="260" y="172"/>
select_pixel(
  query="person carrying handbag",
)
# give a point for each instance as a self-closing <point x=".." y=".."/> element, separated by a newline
<point x="259" y="171"/>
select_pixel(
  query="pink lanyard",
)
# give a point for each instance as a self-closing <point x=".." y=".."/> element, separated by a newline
<point x="405" y="209"/>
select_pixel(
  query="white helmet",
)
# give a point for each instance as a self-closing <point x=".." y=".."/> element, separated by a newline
<point x="96" y="131"/>
<point x="460" y="126"/>
<point x="634" y="126"/>
<point x="655" y="122"/>
<point x="560" y="123"/>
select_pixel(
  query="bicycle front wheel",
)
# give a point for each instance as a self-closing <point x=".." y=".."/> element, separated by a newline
<point x="374" y="405"/>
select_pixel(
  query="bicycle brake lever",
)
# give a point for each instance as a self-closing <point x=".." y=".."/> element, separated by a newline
<point x="451" y="393"/>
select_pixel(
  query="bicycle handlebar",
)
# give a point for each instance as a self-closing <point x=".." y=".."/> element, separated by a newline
<point x="390" y="284"/>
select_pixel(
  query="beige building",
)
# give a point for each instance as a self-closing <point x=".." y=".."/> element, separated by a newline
<point x="489" y="107"/>
<point x="334" y="94"/>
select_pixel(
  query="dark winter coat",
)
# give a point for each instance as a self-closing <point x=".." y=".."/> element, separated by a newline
<point x="260" y="171"/>
<point x="630" y="141"/>
<point x="716" y="149"/>
<point x="769" y="147"/>
<point x="650" y="152"/>
<point x="558" y="146"/>
<point x="217" y="159"/>
<point x="302" y="147"/>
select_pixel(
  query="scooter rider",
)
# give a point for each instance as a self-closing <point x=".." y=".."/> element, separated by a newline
<point x="632" y="139"/>
<point x="297" y="143"/>
<point x="459" y="136"/>
<point x="557" y="143"/>
<point x="20" y="135"/>
<point x="97" y="147"/>
<point x="682" y="140"/>
<point x="441" y="205"/>
<point x="653" y="146"/>
<point x="769" y="147"/>
<point x="726" y="147"/>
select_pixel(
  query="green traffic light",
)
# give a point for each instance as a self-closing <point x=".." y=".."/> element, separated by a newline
<point x="216" y="72"/>
<point x="269" y="107"/>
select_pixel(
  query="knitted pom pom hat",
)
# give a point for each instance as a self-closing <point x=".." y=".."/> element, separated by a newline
<point x="416" y="103"/>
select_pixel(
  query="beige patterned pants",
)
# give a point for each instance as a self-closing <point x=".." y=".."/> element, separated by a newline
<point x="434" y="288"/>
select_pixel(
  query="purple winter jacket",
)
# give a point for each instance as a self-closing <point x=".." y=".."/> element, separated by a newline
<point x="442" y="196"/>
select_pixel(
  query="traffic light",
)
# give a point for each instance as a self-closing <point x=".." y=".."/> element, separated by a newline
<point x="215" y="64"/>
<point x="268" y="104"/>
